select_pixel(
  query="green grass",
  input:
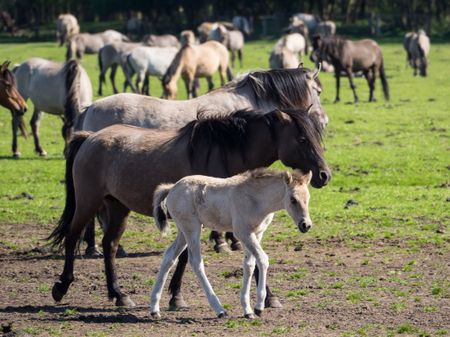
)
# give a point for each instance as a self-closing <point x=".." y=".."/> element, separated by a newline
<point x="392" y="157"/>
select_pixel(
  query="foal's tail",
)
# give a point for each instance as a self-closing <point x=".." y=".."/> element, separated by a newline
<point x="384" y="81"/>
<point x="57" y="237"/>
<point x="160" y="211"/>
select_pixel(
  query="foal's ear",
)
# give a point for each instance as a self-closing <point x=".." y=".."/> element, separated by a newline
<point x="306" y="179"/>
<point x="288" y="177"/>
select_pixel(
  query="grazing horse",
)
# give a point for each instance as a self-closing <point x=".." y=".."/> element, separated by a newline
<point x="111" y="56"/>
<point x="80" y="44"/>
<point x="66" y="27"/>
<point x="283" y="58"/>
<point x="244" y="204"/>
<point x="352" y="56"/>
<point x="116" y="170"/>
<point x="195" y="61"/>
<point x="62" y="89"/>
<point x="417" y="46"/>
<point x="11" y="99"/>
<point x="149" y="61"/>
<point x="295" y="42"/>
<point x="232" y="39"/>
<point x="166" y="40"/>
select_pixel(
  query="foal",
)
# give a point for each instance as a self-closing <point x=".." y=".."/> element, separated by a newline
<point x="243" y="204"/>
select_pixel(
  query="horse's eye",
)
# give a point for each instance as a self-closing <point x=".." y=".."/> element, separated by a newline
<point x="293" y="200"/>
<point x="301" y="139"/>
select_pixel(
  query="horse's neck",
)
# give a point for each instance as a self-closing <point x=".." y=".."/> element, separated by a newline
<point x="268" y="191"/>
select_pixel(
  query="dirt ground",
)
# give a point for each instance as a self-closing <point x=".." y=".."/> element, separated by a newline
<point x="327" y="287"/>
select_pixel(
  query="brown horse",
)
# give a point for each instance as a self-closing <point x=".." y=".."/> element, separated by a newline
<point x="98" y="175"/>
<point x="350" y="57"/>
<point x="11" y="99"/>
<point x="194" y="61"/>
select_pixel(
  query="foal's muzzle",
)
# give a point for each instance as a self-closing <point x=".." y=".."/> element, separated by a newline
<point x="304" y="225"/>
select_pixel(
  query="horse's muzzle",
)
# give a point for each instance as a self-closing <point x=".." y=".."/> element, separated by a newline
<point x="304" y="225"/>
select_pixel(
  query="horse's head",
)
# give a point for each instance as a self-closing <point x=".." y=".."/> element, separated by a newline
<point x="299" y="146"/>
<point x="296" y="199"/>
<point x="169" y="88"/>
<point x="10" y="98"/>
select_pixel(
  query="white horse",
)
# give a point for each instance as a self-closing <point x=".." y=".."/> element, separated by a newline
<point x="153" y="61"/>
<point x="283" y="58"/>
<point x="417" y="46"/>
<point x="66" y="27"/>
<point x="243" y="204"/>
<point x="62" y="89"/>
<point x="111" y="56"/>
<point x="232" y="39"/>
<point x="295" y="42"/>
<point x="80" y="44"/>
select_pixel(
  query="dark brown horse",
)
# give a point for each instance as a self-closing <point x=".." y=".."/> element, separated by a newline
<point x="98" y="175"/>
<point x="350" y="57"/>
<point x="11" y="99"/>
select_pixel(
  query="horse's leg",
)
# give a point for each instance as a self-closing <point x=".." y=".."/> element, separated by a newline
<point x="101" y="79"/>
<point x="112" y="77"/>
<point x="349" y="73"/>
<point x="239" y="52"/>
<point x="146" y="85"/>
<point x="187" y="85"/>
<point x="233" y="57"/>
<point x="337" y="74"/>
<point x="221" y="244"/>
<point x="248" y="268"/>
<point x="195" y="258"/>
<point x="15" y="126"/>
<point x="177" y="301"/>
<point x="415" y="66"/>
<point x="371" y="80"/>
<point x="235" y="244"/>
<point x="170" y="258"/>
<point x="34" y="123"/>
<point x="210" y="83"/>
<point x="139" y="78"/>
<point x="89" y="238"/>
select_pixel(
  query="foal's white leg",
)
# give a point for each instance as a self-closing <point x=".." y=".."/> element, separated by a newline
<point x="196" y="261"/>
<point x="170" y="258"/>
<point x="251" y="243"/>
<point x="248" y="268"/>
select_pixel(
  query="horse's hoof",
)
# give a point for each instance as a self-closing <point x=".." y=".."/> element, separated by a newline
<point x="121" y="252"/>
<point x="125" y="301"/>
<point x="236" y="246"/>
<point x="258" y="312"/>
<point x="92" y="251"/>
<point x="222" y="248"/>
<point x="250" y="316"/>
<point x="272" y="302"/>
<point x="155" y="315"/>
<point x="56" y="293"/>
<point x="16" y="155"/>
<point x="42" y="153"/>
<point x="222" y="314"/>
<point x="177" y="303"/>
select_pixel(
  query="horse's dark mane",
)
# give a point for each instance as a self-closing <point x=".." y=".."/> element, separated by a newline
<point x="174" y="65"/>
<point x="287" y="88"/>
<point x="229" y="133"/>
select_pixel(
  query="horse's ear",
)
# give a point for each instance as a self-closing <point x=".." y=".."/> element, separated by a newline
<point x="288" y="177"/>
<point x="5" y="65"/>
<point x="307" y="178"/>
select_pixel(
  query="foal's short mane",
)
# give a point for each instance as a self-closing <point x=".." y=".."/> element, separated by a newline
<point x="174" y="65"/>
<point x="287" y="88"/>
<point x="230" y="133"/>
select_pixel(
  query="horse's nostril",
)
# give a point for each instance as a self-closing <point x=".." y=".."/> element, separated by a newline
<point x="324" y="176"/>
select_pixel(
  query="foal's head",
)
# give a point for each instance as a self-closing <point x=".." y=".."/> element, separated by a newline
<point x="9" y="96"/>
<point x="296" y="199"/>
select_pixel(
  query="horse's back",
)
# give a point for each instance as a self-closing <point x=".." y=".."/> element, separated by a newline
<point x="365" y="54"/>
<point x="210" y="55"/>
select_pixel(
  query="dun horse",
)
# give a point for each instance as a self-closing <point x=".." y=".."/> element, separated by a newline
<point x="232" y="39"/>
<point x="66" y="27"/>
<point x="352" y="56"/>
<point x="244" y="204"/>
<point x="195" y="61"/>
<point x="11" y="99"/>
<point x="166" y="40"/>
<point x="417" y="46"/>
<point x="117" y="169"/>
<point x="62" y="89"/>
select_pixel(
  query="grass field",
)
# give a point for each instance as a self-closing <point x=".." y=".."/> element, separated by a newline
<point x="387" y="208"/>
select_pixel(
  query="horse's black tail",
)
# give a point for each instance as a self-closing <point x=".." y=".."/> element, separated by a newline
<point x="57" y="237"/>
<point x="384" y="82"/>
<point x="229" y="74"/>
<point x="160" y="212"/>
<point x="72" y="103"/>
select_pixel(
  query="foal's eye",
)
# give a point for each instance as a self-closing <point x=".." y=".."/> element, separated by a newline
<point x="293" y="200"/>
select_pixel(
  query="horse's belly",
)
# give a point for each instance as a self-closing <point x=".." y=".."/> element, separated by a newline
<point x="206" y="69"/>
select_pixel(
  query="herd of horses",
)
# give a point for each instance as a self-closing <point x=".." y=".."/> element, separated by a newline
<point x="122" y="151"/>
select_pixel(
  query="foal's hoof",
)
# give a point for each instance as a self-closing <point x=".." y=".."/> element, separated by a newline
<point x="57" y="294"/>
<point x="236" y="246"/>
<point x="222" y="314"/>
<point x="258" y="312"/>
<point x="121" y="252"/>
<point x="93" y="251"/>
<point x="155" y="315"/>
<point x="250" y="316"/>
<point x="222" y="248"/>
<point x="177" y="303"/>
<point x="125" y="301"/>
<point x="272" y="302"/>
